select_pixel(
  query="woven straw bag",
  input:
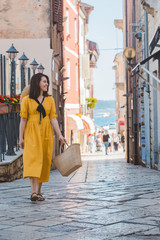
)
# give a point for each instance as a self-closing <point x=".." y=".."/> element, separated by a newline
<point x="69" y="160"/>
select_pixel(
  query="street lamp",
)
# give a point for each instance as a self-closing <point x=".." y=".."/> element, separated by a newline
<point x="23" y="61"/>
<point x="129" y="53"/>
<point x="12" y="53"/>
<point x="34" y="65"/>
<point x="40" y="68"/>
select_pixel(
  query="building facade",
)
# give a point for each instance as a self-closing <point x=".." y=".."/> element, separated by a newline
<point x="77" y="73"/>
<point x="141" y="32"/>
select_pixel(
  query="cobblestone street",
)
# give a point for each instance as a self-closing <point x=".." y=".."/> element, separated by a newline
<point x="105" y="199"/>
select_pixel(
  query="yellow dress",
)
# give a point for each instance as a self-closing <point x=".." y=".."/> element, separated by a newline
<point x="38" y="138"/>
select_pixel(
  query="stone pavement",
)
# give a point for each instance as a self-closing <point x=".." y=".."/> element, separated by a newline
<point x="106" y="199"/>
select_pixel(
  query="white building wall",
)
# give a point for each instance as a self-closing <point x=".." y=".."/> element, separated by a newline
<point x="33" y="48"/>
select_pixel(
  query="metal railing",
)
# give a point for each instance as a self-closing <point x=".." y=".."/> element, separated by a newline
<point x="9" y="130"/>
<point x="2" y="74"/>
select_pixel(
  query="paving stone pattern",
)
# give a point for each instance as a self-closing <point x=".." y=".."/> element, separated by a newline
<point x="106" y="199"/>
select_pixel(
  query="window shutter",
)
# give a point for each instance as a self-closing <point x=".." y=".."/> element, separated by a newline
<point x="60" y="16"/>
<point x="55" y="6"/>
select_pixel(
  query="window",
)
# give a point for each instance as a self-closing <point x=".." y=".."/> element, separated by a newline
<point x="75" y="30"/>
<point x="67" y="21"/>
<point x="68" y="73"/>
<point x="76" y="77"/>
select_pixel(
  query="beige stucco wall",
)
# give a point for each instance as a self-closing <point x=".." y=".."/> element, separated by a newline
<point x="120" y="88"/>
<point x="25" y="19"/>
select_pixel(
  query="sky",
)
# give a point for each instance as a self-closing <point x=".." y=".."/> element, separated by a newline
<point x="101" y="29"/>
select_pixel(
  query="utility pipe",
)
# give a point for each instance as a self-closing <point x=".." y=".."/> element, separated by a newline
<point x="135" y="128"/>
<point x="127" y="111"/>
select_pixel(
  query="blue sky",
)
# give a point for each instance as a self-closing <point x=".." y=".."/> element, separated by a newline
<point x="102" y="30"/>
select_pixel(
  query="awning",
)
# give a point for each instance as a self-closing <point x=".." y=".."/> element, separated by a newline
<point x="121" y="121"/>
<point x="74" y="122"/>
<point x="155" y="40"/>
<point x="89" y="121"/>
<point x="147" y="71"/>
<point x="155" y="55"/>
<point x="86" y="126"/>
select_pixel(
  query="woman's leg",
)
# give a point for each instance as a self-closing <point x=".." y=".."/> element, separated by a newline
<point x="106" y="146"/>
<point x="90" y="147"/>
<point x="33" y="182"/>
<point x="39" y="185"/>
<point x="40" y="197"/>
<point x="36" y="189"/>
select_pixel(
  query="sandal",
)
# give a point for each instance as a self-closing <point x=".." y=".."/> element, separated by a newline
<point x="40" y="197"/>
<point x="34" y="196"/>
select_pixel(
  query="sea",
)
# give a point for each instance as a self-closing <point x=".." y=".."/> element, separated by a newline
<point x="105" y="113"/>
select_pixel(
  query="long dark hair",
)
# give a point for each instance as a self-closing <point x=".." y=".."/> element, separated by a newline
<point x="34" y="86"/>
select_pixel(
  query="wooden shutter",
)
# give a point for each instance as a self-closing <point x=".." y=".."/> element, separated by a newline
<point x="60" y="16"/>
<point x="55" y="8"/>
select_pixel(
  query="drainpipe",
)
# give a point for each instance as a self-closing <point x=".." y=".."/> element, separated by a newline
<point x="147" y="94"/>
<point x="136" y="157"/>
<point x="78" y="7"/>
<point x="127" y="85"/>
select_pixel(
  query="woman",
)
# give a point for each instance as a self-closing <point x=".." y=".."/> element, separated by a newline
<point x="38" y="116"/>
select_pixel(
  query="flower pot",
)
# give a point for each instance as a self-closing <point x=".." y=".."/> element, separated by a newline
<point x="4" y="108"/>
<point x="14" y="107"/>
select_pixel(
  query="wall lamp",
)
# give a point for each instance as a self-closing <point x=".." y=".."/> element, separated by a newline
<point x="129" y="53"/>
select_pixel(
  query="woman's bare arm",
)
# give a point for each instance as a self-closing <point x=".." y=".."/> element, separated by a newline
<point x="21" y="131"/>
<point x="55" y="125"/>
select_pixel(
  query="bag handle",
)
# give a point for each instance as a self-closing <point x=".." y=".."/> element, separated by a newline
<point x="61" y="147"/>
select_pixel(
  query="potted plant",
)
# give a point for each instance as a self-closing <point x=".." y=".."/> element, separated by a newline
<point x="91" y="102"/>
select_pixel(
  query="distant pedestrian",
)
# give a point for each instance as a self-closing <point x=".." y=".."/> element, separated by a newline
<point x="90" y="142"/>
<point x="123" y="142"/>
<point x="99" y="142"/>
<point x="110" y="143"/>
<point x="119" y="139"/>
<point x="38" y="116"/>
<point x="106" y="141"/>
<point x="116" y="142"/>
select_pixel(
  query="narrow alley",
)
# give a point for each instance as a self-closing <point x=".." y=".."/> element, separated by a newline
<point x="105" y="199"/>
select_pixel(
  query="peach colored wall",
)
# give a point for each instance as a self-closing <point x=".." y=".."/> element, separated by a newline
<point x="69" y="42"/>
